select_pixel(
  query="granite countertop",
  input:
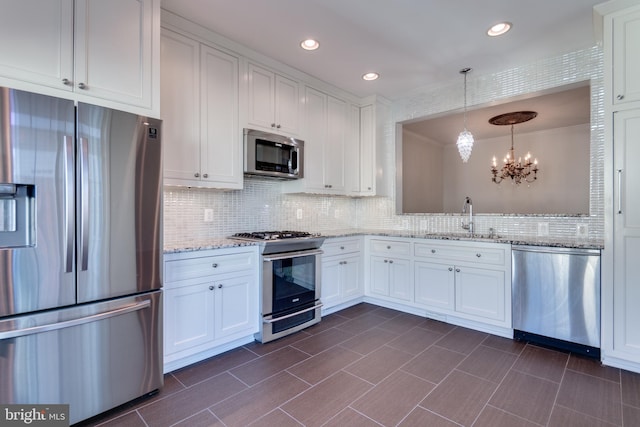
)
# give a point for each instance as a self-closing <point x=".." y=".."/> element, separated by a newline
<point x="221" y="243"/>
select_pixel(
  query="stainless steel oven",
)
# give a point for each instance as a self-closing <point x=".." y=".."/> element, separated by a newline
<point x="291" y="282"/>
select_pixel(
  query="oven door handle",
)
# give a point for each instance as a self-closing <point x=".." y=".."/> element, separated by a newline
<point x="285" y="255"/>
<point x="272" y="320"/>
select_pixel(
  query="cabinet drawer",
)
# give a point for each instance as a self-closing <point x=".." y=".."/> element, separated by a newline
<point x="389" y="247"/>
<point x="456" y="253"/>
<point x="338" y="247"/>
<point x="192" y="268"/>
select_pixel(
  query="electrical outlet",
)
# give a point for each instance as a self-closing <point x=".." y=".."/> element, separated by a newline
<point x="299" y="213"/>
<point x="543" y="229"/>
<point x="208" y="215"/>
<point x="582" y="230"/>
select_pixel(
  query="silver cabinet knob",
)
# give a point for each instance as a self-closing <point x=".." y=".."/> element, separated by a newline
<point x="478" y="255"/>
<point x="220" y="286"/>
<point x="273" y="125"/>
<point x="450" y="268"/>
<point x="205" y="175"/>
<point x="197" y="175"/>
<point x="433" y="251"/>
<point x="214" y="265"/>
<point x="620" y="97"/>
<point x="457" y="270"/>
<point x="278" y="126"/>
<point x="82" y="86"/>
<point x="390" y="261"/>
<point x="211" y="287"/>
<point x="388" y="246"/>
<point x="386" y="260"/>
<point x="67" y="82"/>
<point x="369" y="188"/>
<point x="342" y="248"/>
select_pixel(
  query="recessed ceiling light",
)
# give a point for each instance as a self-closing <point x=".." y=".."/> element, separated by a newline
<point x="309" y="44"/>
<point x="499" y="29"/>
<point x="370" y="76"/>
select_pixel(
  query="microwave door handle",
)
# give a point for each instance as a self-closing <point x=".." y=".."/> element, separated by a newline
<point x="295" y="153"/>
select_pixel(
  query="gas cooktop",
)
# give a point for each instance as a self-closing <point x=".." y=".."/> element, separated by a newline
<point x="274" y="235"/>
<point x="282" y="241"/>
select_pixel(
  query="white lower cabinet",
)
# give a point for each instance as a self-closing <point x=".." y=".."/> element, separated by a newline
<point x="466" y="283"/>
<point x="210" y="300"/>
<point x="341" y="273"/>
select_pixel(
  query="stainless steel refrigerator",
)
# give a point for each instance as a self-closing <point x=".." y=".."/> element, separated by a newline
<point x="80" y="254"/>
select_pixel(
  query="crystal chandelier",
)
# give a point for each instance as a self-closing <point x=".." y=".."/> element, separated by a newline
<point x="465" y="139"/>
<point x="518" y="171"/>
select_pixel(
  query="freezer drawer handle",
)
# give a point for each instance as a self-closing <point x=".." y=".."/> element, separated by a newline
<point x="271" y="320"/>
<point x="75" y="322"/>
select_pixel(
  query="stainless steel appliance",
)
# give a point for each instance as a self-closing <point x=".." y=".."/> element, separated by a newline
<point x="80" y="254"/>
<point x="290" y="291"/>
<point x="273" y="156"/>
<point x="556" y="297"/>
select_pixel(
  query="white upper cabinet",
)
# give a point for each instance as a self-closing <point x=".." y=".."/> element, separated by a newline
<point x="273" y="102"/>
<point x="91" y="50"/>
<point x="626" y="61"/>
<point x="200" y="92"/>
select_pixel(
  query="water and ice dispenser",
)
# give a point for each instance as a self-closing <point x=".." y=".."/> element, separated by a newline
<point x="17" y="215"/>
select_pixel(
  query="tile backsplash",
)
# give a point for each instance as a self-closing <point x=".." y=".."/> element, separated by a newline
<point x="262" y="206"/>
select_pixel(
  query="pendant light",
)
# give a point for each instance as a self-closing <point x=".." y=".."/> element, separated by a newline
<point x="465" y="139"/>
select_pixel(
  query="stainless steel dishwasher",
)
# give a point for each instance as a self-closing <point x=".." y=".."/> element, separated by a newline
<point x="556" y="297"/>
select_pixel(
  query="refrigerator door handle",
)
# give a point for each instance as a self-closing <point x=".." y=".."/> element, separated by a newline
<point x="84" y="204"/>
<point x="74" y="322"/>
<point x="68" y="203"/>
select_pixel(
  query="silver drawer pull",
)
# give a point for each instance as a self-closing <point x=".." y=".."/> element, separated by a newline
<point x="211" y="287"/>
<point x="450" y="268"/>
<point x="478" y="255"/>
<point x="433" y="251"/>
<point x="457" y="270"/>
<point x="272" y="320"/>
<point x="214" y="265"/>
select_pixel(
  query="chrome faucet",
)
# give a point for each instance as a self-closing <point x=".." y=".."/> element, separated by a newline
<point x="469" y="224"/>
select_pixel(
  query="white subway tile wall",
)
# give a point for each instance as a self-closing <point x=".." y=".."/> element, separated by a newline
<point x="262" y="206"/>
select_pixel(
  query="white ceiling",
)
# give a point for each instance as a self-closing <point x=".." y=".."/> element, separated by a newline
<point x="411" y="43"/>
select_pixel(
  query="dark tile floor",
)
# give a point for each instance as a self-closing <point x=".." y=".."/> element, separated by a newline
<point x="371" y="366"/>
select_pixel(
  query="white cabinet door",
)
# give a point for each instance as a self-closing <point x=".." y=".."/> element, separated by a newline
<point x="351" y="280"/>
<point x="331" y="281"/>
<point x="236" y="309"/>
<point x="379" y="277"/>
<point x="113" y="42"/>
<point x="626" y="61"/>
<point x="434" y="285"/>
<point x="367" y="151"/>
<point x="352" y="152"/>
<point x="287" y="105"/>
<point x="180" y="62"/>
<point x="334" y="147"/>
<point x="480" y="292"/>
<point x="37" y="41"/>
<point x="401" y="285"/>
<point x="221" y="144"/>
<point x="188" y="317"/>
<point x="626" y="223"/>
<point x="315" y="137"/>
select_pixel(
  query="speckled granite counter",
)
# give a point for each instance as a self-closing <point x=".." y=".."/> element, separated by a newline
<point x="206" y="244"/>
<point x="562" y="243"/>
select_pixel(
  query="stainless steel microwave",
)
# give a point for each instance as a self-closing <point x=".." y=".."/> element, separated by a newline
<point x="270" y="155"/>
